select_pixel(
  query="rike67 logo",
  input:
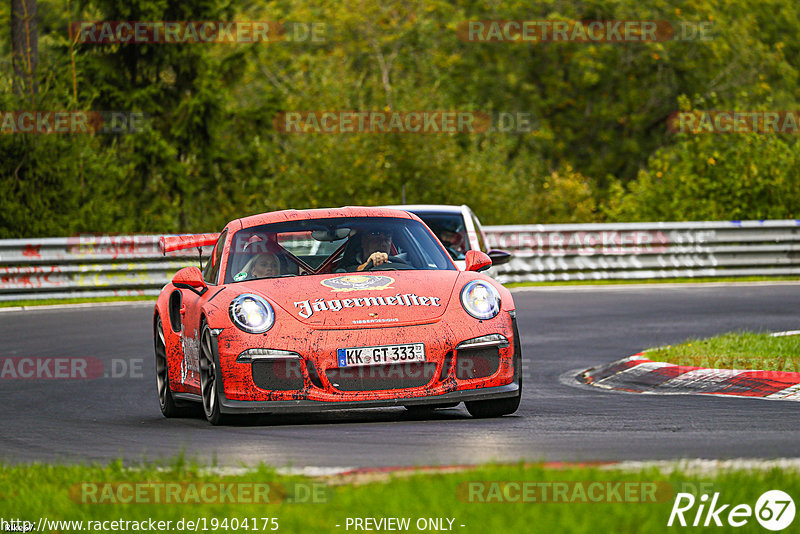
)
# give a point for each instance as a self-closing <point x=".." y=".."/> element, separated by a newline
<point x="774" y="510"/>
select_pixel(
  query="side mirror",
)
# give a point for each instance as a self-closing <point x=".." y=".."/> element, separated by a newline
<point x="477" y="261"/>
<point x="190" y="278"/>
<point x="499" y="257"/>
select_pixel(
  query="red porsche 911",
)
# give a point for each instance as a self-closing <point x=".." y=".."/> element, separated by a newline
<point x="328" y="309"/>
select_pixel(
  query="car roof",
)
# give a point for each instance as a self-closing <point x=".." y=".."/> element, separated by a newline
<point x="429" y="208"/>
<point x="324" y="213"/>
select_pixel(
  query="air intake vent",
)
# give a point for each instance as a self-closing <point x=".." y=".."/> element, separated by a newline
<point x="278" y="375"/>
<point x="477" y="363"/>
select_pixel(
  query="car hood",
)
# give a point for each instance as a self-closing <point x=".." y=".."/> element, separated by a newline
<point x="360" y="300"/>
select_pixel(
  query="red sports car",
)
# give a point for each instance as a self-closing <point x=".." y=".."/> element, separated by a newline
<point x="327" y="309"/>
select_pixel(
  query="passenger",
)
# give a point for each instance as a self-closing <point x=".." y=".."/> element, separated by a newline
<point x="265" y="266"/>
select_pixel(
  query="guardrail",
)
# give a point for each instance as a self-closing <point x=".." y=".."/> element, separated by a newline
<point x="107" y="266"/>
<point x="87" y="266"/>
<point x="647" y="250"/>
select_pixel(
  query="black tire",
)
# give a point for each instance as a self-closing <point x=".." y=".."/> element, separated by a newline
<point x="494" y="407"/>
<point x="209" y="378"/>
<point x="500" y="407"/>
<point x="169" y="407"/>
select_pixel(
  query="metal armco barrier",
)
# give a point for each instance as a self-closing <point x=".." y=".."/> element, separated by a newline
<point x="647" y="250"/>
<point x="112" y="265"/>
<point x="87" y="266"/>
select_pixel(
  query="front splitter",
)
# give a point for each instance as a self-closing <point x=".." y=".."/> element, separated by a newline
<point x="301" y="406"/>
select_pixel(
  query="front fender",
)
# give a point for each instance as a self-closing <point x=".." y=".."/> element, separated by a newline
<point x="172" y="337"/>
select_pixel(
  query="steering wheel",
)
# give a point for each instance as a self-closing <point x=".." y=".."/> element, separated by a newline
<point x="395" y="263"/>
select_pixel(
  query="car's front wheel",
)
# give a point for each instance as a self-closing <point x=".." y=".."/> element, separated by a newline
<point x="169" y="407"/>
<point x="496" y="407"/>
<point x="508" y="405"/>
<point x="208" y="378"/>
<point x="493" y="408"/>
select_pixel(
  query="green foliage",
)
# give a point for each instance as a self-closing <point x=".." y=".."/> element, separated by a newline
<point x="713" y="176"/>
<point x="600" y="149"/>
<point x="487" y="498"/>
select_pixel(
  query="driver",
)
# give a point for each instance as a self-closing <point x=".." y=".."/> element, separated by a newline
<point x="451" y="241"/>
<point x="375" y="247"/>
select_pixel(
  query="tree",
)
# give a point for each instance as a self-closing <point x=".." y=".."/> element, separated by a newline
<point x="24" y="46"/>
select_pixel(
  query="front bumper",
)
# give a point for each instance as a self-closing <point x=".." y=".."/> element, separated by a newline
<point x="316" y="391"/>
<point x="305" y="406"/>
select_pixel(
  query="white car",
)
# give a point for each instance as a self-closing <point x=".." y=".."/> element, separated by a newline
<point x="457" y="228"/>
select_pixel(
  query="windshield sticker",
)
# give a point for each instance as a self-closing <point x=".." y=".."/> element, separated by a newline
<point x="307" y="307"/>
<point x="355" y="282"/>
<point x="240" y="276"/>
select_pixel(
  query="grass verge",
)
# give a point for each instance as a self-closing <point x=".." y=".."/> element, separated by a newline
<point x="736" y="350"/>
<point x="516" y="497"/>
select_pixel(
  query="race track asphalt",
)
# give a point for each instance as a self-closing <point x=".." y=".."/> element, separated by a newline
<point x="562" y="330"/>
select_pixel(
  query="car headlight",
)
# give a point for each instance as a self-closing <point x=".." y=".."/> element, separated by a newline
<point x="480" y="299"/>
<point x="251" y="313"/>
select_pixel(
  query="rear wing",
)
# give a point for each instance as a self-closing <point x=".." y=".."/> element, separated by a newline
<point x="179" y="242"/>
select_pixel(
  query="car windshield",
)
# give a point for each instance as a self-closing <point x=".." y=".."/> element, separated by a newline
<point x="318" y="246"/>
<point x="449" y="228"/>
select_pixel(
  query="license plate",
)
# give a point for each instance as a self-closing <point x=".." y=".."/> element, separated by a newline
<point x="380" y="355"/>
